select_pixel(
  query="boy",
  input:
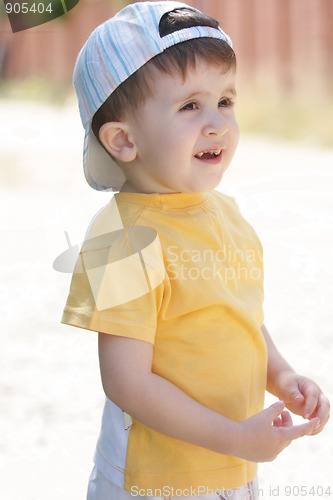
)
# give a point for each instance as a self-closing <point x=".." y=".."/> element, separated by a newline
<point x="170" y="274"/>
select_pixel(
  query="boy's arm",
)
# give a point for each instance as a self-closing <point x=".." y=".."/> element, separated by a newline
<point x="129" y="382"/>
<point x="301" y="395"/>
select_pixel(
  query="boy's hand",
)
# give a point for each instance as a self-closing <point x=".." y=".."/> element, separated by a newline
<point x="264" y="435"/>
<point x="304" y="397"/>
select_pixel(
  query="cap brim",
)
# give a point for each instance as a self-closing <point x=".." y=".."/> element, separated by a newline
<point x="101" y="171"/>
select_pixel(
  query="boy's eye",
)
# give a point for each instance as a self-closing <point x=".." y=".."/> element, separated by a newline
<point x="190" y="106"/>
<point x="225" y="103"/>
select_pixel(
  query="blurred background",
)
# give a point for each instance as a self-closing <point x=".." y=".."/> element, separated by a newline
<point x="50" y="392"/>
<point x="284" y="49"/>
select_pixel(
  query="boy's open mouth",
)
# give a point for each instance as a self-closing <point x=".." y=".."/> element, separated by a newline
<point x="211" y="154"/>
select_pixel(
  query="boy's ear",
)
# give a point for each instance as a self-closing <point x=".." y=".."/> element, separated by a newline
<point x="117" y="141"/>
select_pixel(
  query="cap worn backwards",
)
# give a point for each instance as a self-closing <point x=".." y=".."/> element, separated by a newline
<point x="113" y="52"/>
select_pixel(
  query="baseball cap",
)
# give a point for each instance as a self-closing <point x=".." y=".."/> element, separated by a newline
<point x="113" y="52"/>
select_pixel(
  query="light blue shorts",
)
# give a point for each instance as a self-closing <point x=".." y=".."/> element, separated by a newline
<point x="101" y="488"/>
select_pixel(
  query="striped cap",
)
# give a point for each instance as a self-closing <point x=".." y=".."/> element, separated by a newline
<point x="112" y="53"/>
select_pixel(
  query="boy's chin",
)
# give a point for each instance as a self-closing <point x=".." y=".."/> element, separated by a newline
<point x="215" y="183"/>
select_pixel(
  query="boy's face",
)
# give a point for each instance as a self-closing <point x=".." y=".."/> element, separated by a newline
<point x="186" y="133"/>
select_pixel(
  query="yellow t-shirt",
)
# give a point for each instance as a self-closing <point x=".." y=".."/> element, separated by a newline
<point x="185" y="273"/>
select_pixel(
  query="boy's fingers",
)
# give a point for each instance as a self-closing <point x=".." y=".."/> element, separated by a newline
<point x="297" y="431"/>
<point x="298" y="398"/>
<point x="273" y="411"/>
<point x="323" y="407"/>
<point x="277" y="422"/>
<point x="311" y="401"/>
<point x="322" y="412"/>
<point x="286" y="419"/>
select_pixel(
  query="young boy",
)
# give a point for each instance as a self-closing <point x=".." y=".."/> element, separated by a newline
<point x="170" y="274"/>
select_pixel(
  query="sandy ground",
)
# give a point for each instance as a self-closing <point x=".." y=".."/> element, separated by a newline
<point x="51" y="396"/>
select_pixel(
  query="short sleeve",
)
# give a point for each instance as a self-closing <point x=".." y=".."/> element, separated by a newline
<point x="117" y="284"/>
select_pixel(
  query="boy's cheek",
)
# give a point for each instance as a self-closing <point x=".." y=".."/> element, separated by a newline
<point x="235" y="127"/>
<point x="235" y="134"/>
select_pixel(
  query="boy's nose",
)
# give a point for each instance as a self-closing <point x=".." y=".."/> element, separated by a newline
<point x="215" y="124"/>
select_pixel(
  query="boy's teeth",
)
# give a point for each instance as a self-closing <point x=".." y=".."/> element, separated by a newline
<point x="215" y="152"/>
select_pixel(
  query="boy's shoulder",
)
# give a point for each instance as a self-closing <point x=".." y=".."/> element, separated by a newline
<point x="109" y="220"/>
